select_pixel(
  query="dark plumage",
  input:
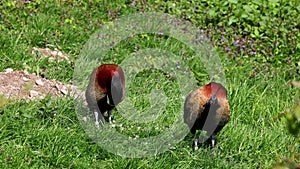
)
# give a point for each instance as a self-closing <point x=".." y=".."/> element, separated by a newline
<point x="105" y="90"/>
<point x="207" y="109"/>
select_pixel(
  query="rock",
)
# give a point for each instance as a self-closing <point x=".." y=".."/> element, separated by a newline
<point x="39" y="82"/>
<point x="33" y="93"/>
<point x="25" y="79"/>
<point x="9" y="70"/>
<point x="64" y="90"/>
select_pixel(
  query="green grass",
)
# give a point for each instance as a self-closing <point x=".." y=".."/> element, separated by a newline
<point x="48" y="134"/>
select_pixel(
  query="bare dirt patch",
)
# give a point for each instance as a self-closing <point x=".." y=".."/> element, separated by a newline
<point x="23" y="85"/>
<point x="18" y="84"/>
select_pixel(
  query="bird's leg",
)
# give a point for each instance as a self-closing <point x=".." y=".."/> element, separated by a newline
<point x="97" y="118"/>
<point x="213" y="140"/>
<point x="213" y="143"/>
<point x="109" y="117"/>
<point x="195" y="143"/>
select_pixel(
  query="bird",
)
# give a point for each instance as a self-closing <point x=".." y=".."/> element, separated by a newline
<point x="106" y="89"/>
<point x="207" y="109"/>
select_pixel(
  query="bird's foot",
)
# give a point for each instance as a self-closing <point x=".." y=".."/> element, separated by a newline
<point x="97" y="124"/>
<point x="213" y="152"/>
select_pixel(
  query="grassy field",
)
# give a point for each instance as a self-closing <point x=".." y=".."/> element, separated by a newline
<point x="258" y="43"/>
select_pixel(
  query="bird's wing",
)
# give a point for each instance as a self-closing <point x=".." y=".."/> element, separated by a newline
<point x="93" y="92"/>
<point x="223" y="112"/>
<point x="193" y="107"/>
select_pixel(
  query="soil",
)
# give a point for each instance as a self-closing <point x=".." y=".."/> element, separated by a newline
<point x="20" y="84"/>
<point x="23" y="85"/>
